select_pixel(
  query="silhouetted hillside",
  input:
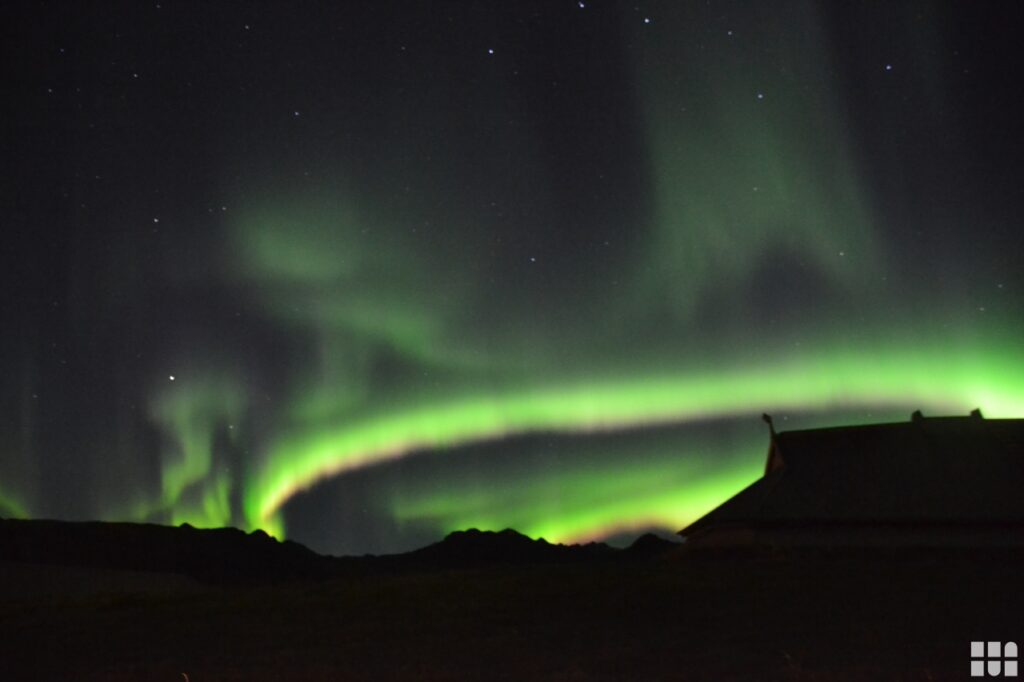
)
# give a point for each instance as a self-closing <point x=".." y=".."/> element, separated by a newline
<point x="222" y="555"/>
<point x="228" y="555"/>
<point x="650" y="545"/>
<point x="475" y="547"/>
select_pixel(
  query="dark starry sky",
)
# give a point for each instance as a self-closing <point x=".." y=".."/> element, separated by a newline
<point x="363" y="273"/>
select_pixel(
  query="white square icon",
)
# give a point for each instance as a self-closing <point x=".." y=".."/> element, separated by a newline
<point x="993" y="659"/>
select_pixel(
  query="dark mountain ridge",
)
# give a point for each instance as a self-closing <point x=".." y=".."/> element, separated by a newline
<point x="229" y="555"/>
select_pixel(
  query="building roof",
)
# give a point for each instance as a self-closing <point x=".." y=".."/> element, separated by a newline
<point x="951" y="470"/>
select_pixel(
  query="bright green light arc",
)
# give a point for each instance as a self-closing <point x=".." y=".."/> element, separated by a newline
<point x="934" y="378"/>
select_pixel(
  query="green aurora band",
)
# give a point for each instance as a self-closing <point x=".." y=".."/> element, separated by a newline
<point x="929" y="378"/>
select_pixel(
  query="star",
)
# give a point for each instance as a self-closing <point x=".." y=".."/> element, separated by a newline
<point x="171" y="377"/>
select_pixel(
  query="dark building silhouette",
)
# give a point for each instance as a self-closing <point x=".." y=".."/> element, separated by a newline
<point x="946" y="481"/>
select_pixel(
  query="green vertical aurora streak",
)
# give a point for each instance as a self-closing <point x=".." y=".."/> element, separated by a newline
<point x="750" y="162"/>
<point x="191" y="411"/>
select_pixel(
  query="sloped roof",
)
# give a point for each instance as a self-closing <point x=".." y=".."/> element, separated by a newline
<point x="929" y="471"/>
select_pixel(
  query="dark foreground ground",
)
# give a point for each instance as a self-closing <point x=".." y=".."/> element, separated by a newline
<point x="849" y="615"/>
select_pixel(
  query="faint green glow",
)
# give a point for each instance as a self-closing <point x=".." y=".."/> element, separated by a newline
<point x="11" y="507"/>
<point x="320" y="265"/>
<point x="600" y="492"/>
<point x="750" y="164"/>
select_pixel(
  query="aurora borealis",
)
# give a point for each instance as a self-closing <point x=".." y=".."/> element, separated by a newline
<point x="361" y="274"/>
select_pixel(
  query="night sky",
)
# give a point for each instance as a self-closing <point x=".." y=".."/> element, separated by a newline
<point x="364" y="273"/>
